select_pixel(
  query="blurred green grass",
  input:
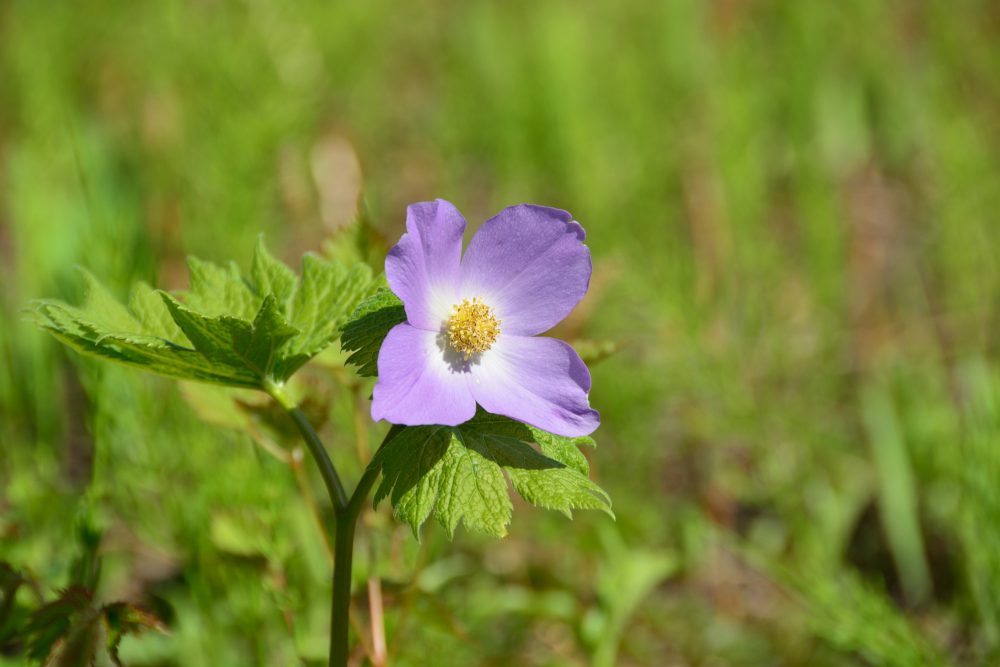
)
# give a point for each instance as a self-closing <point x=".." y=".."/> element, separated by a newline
<point x="791" y="206"/>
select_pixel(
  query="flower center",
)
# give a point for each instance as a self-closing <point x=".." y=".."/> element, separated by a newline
<point x="472" y="327"/>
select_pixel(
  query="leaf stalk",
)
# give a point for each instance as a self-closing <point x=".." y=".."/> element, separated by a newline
<point x="326" y="469"/>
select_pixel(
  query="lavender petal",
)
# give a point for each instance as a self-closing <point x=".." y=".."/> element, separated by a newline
<point x="424" y="268"/>
<point x="529" y="263"/>
<point x="540" y="381"/>
<point x="418" y="383"/>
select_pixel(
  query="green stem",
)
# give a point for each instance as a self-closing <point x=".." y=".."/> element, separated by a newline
<point x="347" y="520"/>
<point x="326" y="470"/>
<point x="346" y="512"/>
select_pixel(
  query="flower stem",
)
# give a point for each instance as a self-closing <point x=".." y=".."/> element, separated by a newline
<point x="347" y="520"/>
<point x="346" y="512"/>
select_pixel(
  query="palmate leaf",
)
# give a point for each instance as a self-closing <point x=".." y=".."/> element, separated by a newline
<point x="563" y="489"/>
<point x="457" y="473"/>
<point x="368" y="326"/>
<point x="227" y="329"/>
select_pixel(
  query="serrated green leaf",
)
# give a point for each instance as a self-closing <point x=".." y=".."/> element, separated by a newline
<point x="323" y="300"/>
<point x="70" y="326"/>
<point x="563" y="449"/>
<point x="406" y="462"/>
<point x="472" y="490"/>
<point x="225" y="330"/>
<point x="565" y="489"/>
<point x="270" y="331"/>
<point x="368" y="326"/>
<point x="71" y="329"/>
<point x="271" y="276"/>
<point x="148" y="308"/>
<point x="98" y="299"/>
<point x="214" y="337"/>
<point x="456" y="473"/>
<point x="220" y="291"/>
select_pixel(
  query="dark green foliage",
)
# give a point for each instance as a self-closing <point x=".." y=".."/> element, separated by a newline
<point x="368" y="326"/>
<point x="12" y="615"/>
<point x="457" y="473"/>
<point x="65" y="625"/>
<point x="70" y="630"/>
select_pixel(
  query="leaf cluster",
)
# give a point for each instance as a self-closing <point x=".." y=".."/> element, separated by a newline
<point x="368" y="326"/>
<point x="457" y="473"/>
<point x="228" y="329"/>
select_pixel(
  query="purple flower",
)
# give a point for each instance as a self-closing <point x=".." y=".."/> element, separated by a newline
<point x="472" y="321"/>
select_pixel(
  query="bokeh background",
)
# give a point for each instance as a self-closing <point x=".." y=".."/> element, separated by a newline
<point x="792" y="208"/>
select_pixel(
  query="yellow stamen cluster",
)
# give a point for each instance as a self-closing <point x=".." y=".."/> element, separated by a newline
<point x="472" y="327"/>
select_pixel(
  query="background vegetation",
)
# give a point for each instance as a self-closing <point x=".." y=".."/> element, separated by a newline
<point x="792" y="210"/>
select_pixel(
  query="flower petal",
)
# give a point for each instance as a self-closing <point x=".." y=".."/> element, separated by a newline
<point x="424" y="268"/>
<point x="529" y="263"/>
<point x="417" y="384"/>
<point x="541" y="381"/>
